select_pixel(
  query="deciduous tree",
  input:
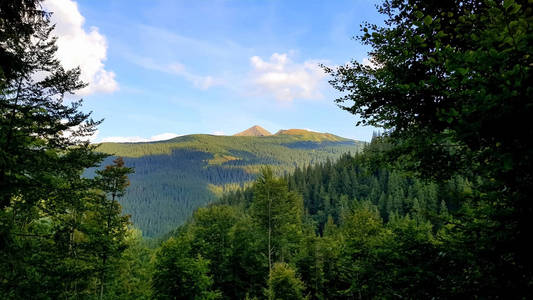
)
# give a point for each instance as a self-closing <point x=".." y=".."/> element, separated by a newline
<point x="451" y="83"/>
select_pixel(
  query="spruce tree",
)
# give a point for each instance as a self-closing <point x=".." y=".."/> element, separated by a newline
<point x="278" y="213"/>
<point x="43" y="153"/>
<point x="110" y="226"/>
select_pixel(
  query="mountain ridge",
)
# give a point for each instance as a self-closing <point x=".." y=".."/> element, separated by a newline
<point x="254" y="131"/>
<point x="174" y="177"/>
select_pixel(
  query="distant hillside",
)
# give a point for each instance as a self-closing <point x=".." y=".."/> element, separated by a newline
<point x="174" y="177"/>
<point x="254" y="131"/>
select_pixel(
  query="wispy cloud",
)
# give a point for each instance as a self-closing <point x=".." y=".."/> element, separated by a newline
<point x="77" y="47"/>
<point x="201" y="82"/>
<point x="177" y="68"/>
<point x="137" y="139"/>
<point x="286" y="80"/>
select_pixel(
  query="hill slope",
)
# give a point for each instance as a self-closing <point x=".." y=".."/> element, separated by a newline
<point x="174" y="177"/>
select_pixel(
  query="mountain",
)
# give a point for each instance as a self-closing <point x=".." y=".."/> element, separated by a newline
<point x="254" y="131"/>
<point x="174" y="177"/>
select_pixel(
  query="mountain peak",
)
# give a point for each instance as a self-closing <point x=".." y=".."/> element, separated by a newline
<point x="254" y="131"/>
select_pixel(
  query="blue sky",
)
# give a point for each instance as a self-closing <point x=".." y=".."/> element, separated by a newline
<point x="186" y="67"/>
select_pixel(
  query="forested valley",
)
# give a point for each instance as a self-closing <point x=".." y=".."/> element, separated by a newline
<point x="436" y="206"/>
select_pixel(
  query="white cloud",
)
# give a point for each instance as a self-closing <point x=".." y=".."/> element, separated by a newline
<point x="137" y="139"/>
<point x="285" y="79"/>
<point x="219" y="133"/>
<point x="77" y="47"/>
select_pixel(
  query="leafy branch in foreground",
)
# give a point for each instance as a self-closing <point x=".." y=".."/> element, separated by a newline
<point x="451" y="81"/>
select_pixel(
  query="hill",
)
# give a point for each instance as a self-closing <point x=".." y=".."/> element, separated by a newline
<point x="310" y="135"/>
<point x="174" y="177"/>
<point x="254" y="131"/>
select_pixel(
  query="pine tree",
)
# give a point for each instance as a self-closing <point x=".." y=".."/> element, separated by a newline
<point x="247" y="260"/>
<point x="210" y="229"/>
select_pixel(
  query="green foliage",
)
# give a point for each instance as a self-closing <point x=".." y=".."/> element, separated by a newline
<point x="364" y="234"/>
<point x="211" y="239"/>
<point x="363" y="252"/>
<point x="247" y="260"/>
<point x="45" y="236"/>
<point x="283" y="284"/>
<point x="237" y="244"/>
<point x="310" y="262"/>
<point x="134" y="270"/>
<point x="179" y="275"/>
<point x="379" y="260"/>
<point x="446" y="76"/>
<point x="451" y="81"/>
<point x="108" y="225"/>
<point x="327" y="187"/>
<point x="278" y="214"/>
<point x="61" y="236"/>
<point x="17" y="24"/>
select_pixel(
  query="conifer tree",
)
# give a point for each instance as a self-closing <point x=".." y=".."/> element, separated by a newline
<point x="284" y="284"/>
<point x="180" y="274"/>
<point x="110" y="225"/>
<point x="43" y="152"/>
<point x="279" y="213"/>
